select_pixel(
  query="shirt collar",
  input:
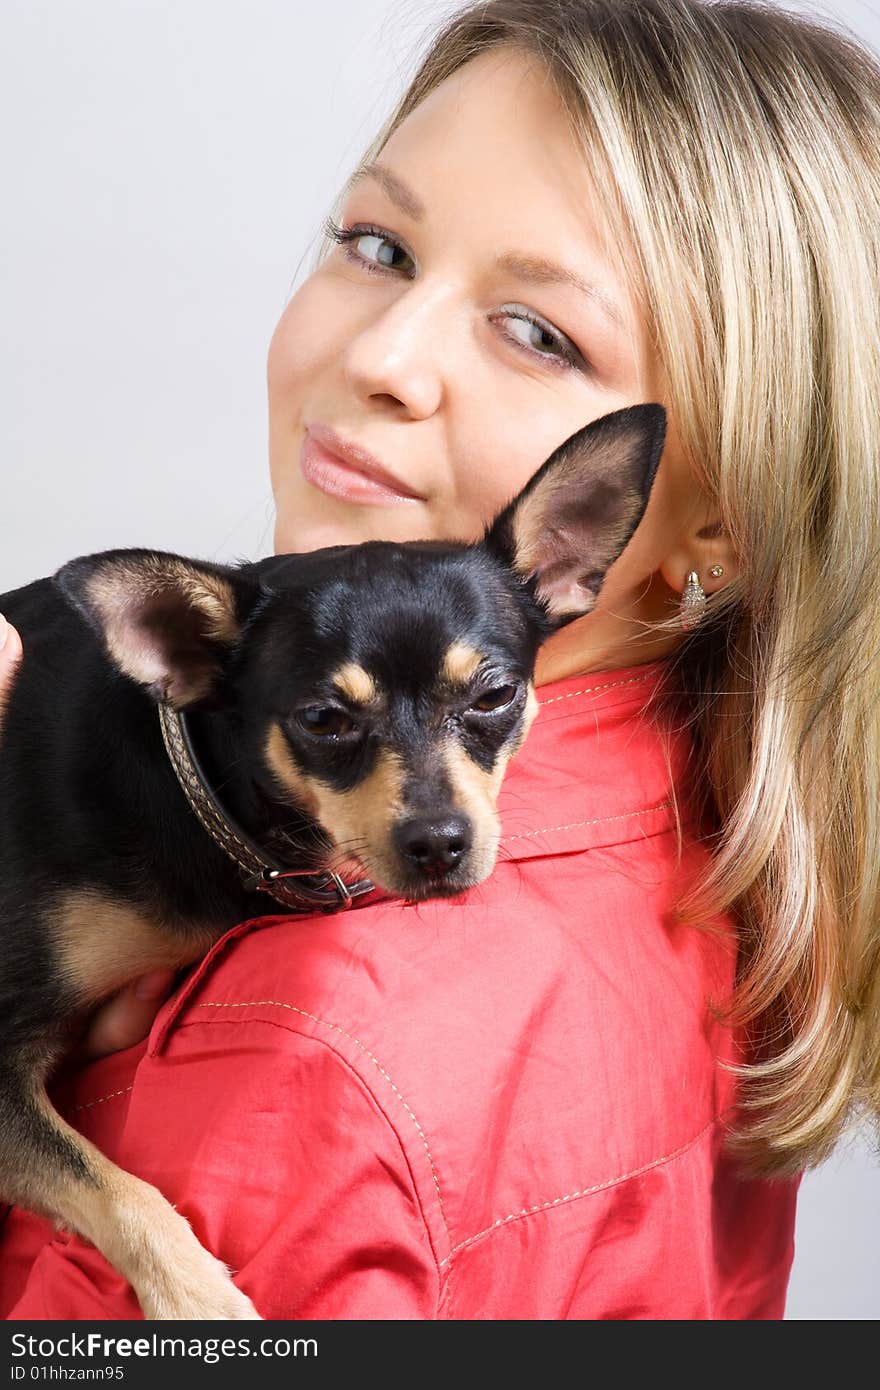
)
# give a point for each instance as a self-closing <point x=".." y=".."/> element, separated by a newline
<point x="599" y="766"/>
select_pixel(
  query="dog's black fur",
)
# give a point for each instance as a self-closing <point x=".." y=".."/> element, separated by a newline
<point x="90" y="805"/>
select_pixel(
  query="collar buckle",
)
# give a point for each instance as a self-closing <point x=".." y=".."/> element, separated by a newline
<point x="327" y="890"/>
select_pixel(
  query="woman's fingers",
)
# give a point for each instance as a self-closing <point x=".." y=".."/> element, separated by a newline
<point x="10" y="656"/>
<point x="128" y="1017"/>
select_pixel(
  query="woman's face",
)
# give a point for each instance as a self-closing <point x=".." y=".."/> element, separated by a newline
<point x="439" y="339"/>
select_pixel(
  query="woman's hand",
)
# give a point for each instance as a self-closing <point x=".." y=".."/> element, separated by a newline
<point x="126" y="1018"/>
<point x="10" y="656"/>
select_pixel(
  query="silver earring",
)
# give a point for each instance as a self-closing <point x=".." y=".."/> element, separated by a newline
<point x="693" y="602"/>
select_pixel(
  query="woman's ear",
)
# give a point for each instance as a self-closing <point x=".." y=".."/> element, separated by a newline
<point x="703" y="545"/>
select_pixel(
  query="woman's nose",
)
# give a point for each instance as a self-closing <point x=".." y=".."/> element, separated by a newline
<point x="399" y="352"/>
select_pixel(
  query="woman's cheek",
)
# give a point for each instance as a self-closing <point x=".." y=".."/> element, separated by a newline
<point x="500" y="465"/>
<point x="305" y="338"/>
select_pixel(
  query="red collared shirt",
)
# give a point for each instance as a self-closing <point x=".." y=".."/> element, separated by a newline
<point x="509" y="1105"/>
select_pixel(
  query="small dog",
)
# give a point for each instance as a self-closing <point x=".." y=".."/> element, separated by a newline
<point x="359" y="703"/>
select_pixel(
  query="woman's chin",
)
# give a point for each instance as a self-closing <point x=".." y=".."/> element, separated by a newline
<point x="307" y="520"/>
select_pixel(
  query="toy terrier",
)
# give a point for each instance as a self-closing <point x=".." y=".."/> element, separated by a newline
<point x="184" y="738"/>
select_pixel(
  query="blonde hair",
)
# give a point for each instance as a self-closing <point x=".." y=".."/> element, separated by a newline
<point x="738" y="150"/>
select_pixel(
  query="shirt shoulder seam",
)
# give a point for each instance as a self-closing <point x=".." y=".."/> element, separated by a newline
<point x="376" y="1065"/>
<point x="362" y="1081"/>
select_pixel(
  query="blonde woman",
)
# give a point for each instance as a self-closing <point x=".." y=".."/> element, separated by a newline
<point x="586" y="1089"/>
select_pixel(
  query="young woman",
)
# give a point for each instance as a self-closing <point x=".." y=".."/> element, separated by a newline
<point x="584" y="1090"/>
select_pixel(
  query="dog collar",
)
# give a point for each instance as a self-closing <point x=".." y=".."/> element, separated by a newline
<point x="263" y="874"/>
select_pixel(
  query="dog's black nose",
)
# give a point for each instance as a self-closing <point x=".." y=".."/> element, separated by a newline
<point x="435" y="845"/>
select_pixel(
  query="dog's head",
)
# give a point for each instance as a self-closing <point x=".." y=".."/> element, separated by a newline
<point x="383" y="688"/>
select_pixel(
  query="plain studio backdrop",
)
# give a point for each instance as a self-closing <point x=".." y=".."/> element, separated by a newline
<point x="165" y="172"/>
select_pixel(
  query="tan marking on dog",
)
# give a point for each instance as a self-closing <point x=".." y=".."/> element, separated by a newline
<point x="49" y="1167"/>
<point x="476" y="790"/>
<point x="361" y="821"/>
<point x="101" y="944"/>
<point x="370" y="808"/>
<point x="290" y="778"/>
<point x="128" y="1220"/>
<point x="460" y="663"/>
<point x="529" y="713"/>
<point x="356" y="684"/>
<point x="475" y="793"/>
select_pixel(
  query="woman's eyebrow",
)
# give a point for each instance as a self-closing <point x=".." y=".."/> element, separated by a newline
<point x="399" y="192"/>
<point x="536" y="269"/>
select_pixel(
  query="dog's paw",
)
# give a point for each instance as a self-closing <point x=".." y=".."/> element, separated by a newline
<point x="233" y="1306"/>
<point x="209" y="1295"/>
<point x="228" y="1304"/>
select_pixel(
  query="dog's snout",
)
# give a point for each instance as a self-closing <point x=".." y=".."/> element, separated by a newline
<point x="435" y="845"/>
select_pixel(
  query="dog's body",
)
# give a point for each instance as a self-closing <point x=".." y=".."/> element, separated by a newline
<point x="361" y="702"/>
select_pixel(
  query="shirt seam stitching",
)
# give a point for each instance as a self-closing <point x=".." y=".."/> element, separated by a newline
<point x="337" y="1028"/>
<point x="526" y="1212"/>
<point x="500" y="1222"/>
<point x="594" y="689"/>
<point x="113" y="1095"/>
<point x="575" y="825"/>
<point x="363" y="1082"/>
<point x="87" y="1105"/>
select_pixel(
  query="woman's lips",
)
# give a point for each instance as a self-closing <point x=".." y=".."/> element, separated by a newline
<point x="338" y="478"/>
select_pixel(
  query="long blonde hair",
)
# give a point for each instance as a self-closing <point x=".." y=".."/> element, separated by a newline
<point x="739" y="148"/>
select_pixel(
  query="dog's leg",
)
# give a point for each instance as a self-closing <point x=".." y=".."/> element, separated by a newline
<point x="48" y="1167"/>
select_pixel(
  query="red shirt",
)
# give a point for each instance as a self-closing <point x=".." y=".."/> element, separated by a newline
<point x="509" y="1105"/>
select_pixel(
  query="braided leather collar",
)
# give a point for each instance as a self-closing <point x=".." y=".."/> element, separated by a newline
<point x="301" y="890"/>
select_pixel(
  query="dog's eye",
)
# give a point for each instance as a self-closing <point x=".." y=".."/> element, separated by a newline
<point x="324" y="721"/>
<point x="499" y="697"/>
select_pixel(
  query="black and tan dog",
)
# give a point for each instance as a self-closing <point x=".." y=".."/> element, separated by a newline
<point x="360" y="702"/>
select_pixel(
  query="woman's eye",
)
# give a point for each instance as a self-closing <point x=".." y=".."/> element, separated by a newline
<point x="376" y="255"/>
<point x="498" y="698"/>
<point x="324" y="721"/>
<point x="374" y="245"/>
<point x="538" y="337"/>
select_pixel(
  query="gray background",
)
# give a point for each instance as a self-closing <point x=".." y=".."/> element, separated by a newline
<point x="165" y="171"/>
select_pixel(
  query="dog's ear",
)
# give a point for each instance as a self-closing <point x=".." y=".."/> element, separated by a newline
<point x="574" y="517"/>
<point x="165" y="620"/>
